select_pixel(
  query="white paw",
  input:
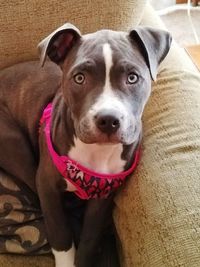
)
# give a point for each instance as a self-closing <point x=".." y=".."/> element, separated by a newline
<point x="64" y="258"/>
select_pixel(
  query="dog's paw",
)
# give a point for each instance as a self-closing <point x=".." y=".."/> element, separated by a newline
<point x="64" y="258"/>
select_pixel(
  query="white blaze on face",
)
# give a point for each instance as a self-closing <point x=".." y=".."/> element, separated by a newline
<point x="107" y="53"/>
<point x="108" y="99"/>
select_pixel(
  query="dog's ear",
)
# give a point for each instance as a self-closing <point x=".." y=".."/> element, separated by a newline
<point x="154" y="45"/>
<point x="58" y="43"/>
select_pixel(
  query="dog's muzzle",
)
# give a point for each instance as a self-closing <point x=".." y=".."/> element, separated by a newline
<point x="107" y="126"/>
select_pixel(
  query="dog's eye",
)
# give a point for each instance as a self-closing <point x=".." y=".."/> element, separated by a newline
<point x="79" y="78"/>
<point x="132" y="78"/>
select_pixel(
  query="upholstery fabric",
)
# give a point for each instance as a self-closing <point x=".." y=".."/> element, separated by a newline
<point x="22" y="229"/>
<point x="158" y="212"/>
<point x="24" y="23"/>
<point x="26" y="261"/>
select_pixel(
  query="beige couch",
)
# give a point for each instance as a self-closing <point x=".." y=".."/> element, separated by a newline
<point x="158" y="212"/>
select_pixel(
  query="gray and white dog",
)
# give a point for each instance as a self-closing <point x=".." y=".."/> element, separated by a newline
<point x="98" y="94"/>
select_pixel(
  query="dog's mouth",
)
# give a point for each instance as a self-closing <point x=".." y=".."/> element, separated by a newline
<point x="100" y="139"/>
<point x="95" y="136"/>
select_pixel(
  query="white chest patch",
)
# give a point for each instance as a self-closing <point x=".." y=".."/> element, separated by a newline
<point x="99" y="158"/>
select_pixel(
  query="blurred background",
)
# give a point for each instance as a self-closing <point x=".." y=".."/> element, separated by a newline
<point x="182" y="18"/>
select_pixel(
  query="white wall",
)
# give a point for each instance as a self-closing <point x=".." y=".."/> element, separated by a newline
<point x="160" y="4"/>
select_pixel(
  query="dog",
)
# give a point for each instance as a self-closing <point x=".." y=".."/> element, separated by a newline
<point x="74" y="120"/>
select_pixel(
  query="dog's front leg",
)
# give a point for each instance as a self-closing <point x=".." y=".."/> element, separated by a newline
<point x="59" y="233"/>
<point x="98" y="217"/>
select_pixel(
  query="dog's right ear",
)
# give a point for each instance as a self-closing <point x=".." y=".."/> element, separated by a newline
<point x="58" y="43"/>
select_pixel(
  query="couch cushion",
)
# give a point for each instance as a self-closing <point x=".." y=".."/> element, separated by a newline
<point x="25" y="261"/>
<point x="158" y="212"/>
<point x="24" y="23"/>
<point x="22" y="229"/>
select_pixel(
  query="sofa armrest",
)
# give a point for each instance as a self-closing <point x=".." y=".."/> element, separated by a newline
<point x="158" y="212"/>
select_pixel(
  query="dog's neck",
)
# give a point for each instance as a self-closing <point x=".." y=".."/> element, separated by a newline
<point x="102" y="158"/>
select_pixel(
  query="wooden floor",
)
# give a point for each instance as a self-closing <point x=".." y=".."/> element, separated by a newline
<point x="194" y="53"/>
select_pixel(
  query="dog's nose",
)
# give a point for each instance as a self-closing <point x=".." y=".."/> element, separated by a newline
<point x="107" y="123"/>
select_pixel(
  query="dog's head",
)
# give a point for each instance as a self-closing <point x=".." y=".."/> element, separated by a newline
<point x="106" y="78"/>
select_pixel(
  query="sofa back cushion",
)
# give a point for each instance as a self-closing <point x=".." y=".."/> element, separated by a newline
<point x="24" y="23"/>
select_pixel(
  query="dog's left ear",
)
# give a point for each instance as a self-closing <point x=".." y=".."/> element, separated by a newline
<point x="58" y="43"/>
<point x="154" y="45"/>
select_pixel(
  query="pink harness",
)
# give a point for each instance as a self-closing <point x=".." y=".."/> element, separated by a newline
<point x="88" y="184"/>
